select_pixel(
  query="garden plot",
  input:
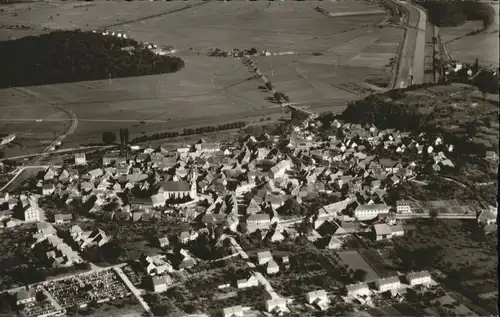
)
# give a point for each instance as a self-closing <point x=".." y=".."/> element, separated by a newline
<point x="355" y="261"/>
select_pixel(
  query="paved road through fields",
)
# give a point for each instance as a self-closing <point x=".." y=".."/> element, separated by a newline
<point x="413" y="52"/>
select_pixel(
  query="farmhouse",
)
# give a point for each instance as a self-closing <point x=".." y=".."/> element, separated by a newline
<point x="417" y="278"/>
<point x="368" y="212"/>
<point x="359" y="289"/>
<point x="387" y="284"/>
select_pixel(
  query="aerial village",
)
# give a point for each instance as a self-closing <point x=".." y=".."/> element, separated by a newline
<point x="225" y="195"/>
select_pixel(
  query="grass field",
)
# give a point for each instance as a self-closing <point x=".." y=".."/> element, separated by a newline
<point x="209" y="90"/>
<point x="467" y="48"/>
<point x="355" y="261"/>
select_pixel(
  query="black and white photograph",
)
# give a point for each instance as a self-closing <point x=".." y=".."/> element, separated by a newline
<point x="249" y="158"/>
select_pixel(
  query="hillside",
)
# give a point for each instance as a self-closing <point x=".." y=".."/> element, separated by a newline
<point x="457" y="111"/>
<point x="72" y="56"/>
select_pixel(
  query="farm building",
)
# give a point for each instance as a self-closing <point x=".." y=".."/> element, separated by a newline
<point x="417" y="278"/>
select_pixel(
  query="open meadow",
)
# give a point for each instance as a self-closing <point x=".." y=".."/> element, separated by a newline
<point x="334" y="56"/>
<point x="467" y="48"/>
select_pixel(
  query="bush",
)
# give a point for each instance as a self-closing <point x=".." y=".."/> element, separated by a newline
<point x="71" y="56"/>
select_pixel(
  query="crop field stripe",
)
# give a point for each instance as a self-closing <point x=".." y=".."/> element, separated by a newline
<point x="189" y="6"/>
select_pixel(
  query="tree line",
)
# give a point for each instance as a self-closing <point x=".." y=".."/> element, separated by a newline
<point x="72" y="56"/>
<point x="190" y="131"/>
<point x="451" y="13"/>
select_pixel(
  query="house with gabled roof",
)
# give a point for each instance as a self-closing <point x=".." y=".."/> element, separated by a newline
<point x="260" y="221"/>
<point x="318" y="298"/>
<point x="419" y="278"/>
<point x="359" y="289"/>
<point x="272" y="267"/>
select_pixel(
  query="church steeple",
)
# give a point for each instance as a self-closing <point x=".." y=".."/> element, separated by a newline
<point x="194" y="177"/>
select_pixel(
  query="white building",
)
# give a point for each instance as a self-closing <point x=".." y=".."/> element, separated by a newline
<point x="388" y="284"/>
<point x="359" y="289"/>
<point x="319" y="298"/>
<point x="368" y="212"/>
<point x="280" y="169"/>
<point x="258" y="221"/>
<point x="417" y="278"/>
<point x="80" y="159"/>
<point x="272" y="267"/>
<point x="234" y="311"/>
<point x="403" y="207"/>
<point x="277" y="305"/>
<point x="252" y="281"/>
<point x="264" y="257"/>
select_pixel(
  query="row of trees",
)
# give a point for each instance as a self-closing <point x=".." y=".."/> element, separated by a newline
<point x="71" y="56"/>
<point x="166" y="135"/>
<point x="451" y="13"/>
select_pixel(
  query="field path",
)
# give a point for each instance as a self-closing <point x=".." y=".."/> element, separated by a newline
<point x="68" y="112"/>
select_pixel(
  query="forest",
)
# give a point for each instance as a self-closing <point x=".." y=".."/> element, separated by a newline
<point x="72" y="56"/>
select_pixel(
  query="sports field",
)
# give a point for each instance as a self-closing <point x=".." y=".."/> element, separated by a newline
<point x="333" y="56"/>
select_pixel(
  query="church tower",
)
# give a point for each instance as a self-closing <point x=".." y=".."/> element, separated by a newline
<point x="194" y="176"/>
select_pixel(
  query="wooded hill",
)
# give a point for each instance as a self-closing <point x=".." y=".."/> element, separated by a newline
<point x="72" y="56"/>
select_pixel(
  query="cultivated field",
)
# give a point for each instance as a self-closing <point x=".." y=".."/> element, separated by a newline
<point x="467" y="48"/>
<point x="209" y="90"/>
